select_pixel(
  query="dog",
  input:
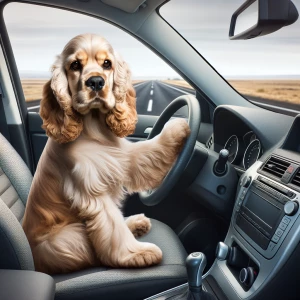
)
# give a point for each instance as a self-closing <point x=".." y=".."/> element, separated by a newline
<point x="73" y="218"/>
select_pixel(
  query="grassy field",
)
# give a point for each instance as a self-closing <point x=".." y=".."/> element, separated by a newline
<point x="178" y="82"/>
<point x="33" y="88"/>
<point x="277" y="90"/>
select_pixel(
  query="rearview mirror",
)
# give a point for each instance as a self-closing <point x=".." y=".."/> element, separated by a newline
<point x="260" y="17"/>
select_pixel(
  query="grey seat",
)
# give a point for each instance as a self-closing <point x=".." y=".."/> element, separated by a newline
<point x="93" y="283"/>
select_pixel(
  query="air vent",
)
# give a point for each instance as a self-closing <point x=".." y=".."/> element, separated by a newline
<point x="296" y="179"/>
<point x="275" y="166"/>
<point x="210" y="142"/>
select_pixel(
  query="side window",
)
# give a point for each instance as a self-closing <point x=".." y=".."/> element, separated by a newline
<point x="38" y="34"/>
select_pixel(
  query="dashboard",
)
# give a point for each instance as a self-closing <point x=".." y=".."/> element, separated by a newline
<point x="249" y="134"/>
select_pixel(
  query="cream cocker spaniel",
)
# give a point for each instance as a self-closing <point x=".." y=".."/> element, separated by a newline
<point x="73" y="218"/>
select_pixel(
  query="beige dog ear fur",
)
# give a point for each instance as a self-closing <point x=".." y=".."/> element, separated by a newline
<point x="122" y="118"/>
<point x="61" y="122"/>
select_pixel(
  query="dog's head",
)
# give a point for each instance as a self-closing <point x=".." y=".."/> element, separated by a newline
<point x="88" y="75"/>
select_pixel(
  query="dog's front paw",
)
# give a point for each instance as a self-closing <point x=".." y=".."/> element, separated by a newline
<point x="148" y="255"/>
<point x="138" y="224"/>
<point x="176" y="132"/>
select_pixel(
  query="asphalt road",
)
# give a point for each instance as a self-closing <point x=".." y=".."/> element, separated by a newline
<point x="154" y="96"/>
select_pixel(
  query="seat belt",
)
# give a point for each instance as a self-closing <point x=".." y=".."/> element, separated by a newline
<point x="3" y="123"/>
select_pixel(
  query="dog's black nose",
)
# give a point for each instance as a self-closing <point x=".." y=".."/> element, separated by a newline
<point x="96" y="83"/>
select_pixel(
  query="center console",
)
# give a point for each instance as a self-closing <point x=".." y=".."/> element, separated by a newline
<point x="262" y="237"/>
<point x="265" y="227"/>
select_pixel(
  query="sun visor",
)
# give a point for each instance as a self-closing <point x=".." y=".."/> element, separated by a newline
<point x="129" y="6"/>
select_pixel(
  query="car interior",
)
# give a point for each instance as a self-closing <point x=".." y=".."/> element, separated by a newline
<point x="227" y="214"/>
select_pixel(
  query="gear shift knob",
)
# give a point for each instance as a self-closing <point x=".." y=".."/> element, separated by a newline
<point x="195" y="265"/>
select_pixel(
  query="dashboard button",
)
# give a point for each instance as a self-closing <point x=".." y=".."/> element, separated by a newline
<point x="271" y="246"/>
<point x="286" y="220"/>
<point x="247" y="181"/>
<point x="282" y="226"/>
<point x="275" y="238"/>
<point x="279" y="232"/>
<point x="239" y="203"/>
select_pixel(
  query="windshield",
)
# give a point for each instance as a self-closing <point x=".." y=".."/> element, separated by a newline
<point x="265" y="70"/>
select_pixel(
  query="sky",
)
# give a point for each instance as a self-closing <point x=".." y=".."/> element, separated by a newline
<point x="39" y="33"/>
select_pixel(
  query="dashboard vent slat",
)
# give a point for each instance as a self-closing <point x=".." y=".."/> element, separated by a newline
<point x="275" y="166"/>
<point x="296" y="179"/>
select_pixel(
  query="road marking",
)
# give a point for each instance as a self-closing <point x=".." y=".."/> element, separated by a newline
<point x="151" y="92"/>
<point x="171" y="87"/>
<point x="275" y="107"/>
<point x="136" y="85"/>
<point x="33" y="107"/>
<point x="150" y="103"/>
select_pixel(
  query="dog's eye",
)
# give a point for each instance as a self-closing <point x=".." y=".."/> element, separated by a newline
<point x="75" y="65"/>
<point x="107" y="64"/>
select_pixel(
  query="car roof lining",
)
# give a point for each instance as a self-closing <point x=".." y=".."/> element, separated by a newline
<point x="131" y="22"/>
<point x="128" y="6"/>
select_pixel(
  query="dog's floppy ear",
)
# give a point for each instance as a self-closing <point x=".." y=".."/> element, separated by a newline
<point x="123" y="117"/>
<point x="60" y="120"/>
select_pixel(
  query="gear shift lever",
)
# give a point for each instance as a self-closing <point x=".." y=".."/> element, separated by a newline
<point x="195" y="265"/>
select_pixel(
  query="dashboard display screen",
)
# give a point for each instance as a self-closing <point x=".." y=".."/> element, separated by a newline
<point x="263" y="209"/>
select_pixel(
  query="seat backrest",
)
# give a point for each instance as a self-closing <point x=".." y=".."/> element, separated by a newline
<point x="15" y="179"/>
<point x="15" y="182"/>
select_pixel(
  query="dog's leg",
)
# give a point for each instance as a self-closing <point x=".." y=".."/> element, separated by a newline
<point x="151" y="160"/>
<point x="113" y="242"/>
<point x="64" y="249"/>
<point x="138" y="224"/>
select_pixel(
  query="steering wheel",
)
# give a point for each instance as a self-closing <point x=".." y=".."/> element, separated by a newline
<point x="153" y="197"/>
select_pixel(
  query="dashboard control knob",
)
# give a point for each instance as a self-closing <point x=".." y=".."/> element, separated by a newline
<point x="247" y="276"/>
<point x="234" y="256"/>
<point x="222" y="251"/>
<point x="220" y="167"/>
<point x="291" y="207"/>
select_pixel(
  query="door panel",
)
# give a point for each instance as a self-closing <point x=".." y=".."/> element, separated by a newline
<point x="38" y="136"/>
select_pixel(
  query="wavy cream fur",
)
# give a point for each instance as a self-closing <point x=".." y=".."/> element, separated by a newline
<point x="73" y="218"/>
